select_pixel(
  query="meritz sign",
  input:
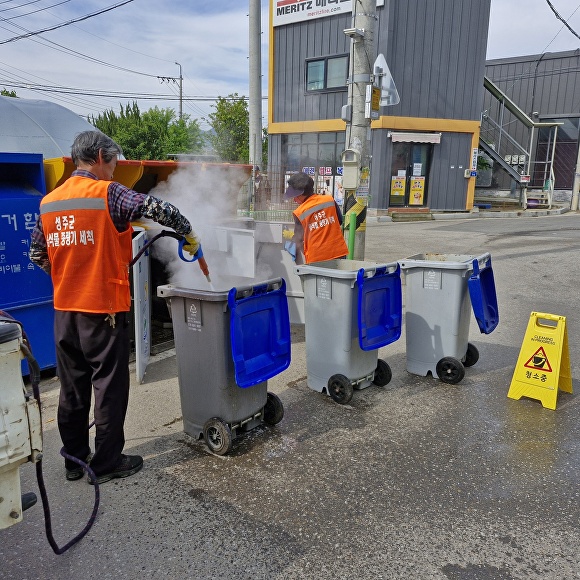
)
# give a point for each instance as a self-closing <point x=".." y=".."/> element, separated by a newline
<point x="289" y="11"/>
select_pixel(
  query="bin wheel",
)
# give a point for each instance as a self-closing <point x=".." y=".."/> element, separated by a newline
<point x="383" y="374"/>
<point x="218" y="436"/>
<point x="273" y="410"/>
<point x="471" y="356"/>
<point x="450" y="370"/>
<point x="340" y="389"/>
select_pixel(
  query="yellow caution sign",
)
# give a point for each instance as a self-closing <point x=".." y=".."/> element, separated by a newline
<point x="543" y="366"/>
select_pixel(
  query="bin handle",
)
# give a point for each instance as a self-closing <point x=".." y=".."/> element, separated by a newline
<point x="240" y="292"/>
<point x="485" y="259"/>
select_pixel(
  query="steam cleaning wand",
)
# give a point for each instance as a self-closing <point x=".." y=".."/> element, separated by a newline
<point x="198" y="256"/>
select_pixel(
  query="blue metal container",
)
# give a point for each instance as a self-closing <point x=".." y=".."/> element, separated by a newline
<point x="25" y="290"/>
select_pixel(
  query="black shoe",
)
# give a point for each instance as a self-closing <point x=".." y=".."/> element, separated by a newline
<point x="28" y="499"/>
<point x="129" y="465"/>
<point x="77" y="472"/>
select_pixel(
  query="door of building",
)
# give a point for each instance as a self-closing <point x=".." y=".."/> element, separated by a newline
<point x="409" y="171"/>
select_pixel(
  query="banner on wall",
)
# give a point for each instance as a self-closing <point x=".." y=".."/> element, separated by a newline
<point x="417" y="191"/>
<point x="289" y="11"/>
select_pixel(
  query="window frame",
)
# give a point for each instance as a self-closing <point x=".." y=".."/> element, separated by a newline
<point x="325" y="88"/>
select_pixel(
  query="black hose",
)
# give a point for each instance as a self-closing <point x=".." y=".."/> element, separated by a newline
<point x="34" y="368"/>
<point x="162" y="234"/>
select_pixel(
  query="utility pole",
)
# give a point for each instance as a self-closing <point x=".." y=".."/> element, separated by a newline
<point x="180" y="91"/>
<point x="358" y="121"/>
<point x="255" y="74"/>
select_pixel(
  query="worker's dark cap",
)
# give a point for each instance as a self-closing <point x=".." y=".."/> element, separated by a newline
<point x="299" y="184"/>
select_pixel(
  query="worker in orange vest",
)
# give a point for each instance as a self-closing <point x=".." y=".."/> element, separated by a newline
<point x="317" y="222"/>
<point x="82" y="239"/>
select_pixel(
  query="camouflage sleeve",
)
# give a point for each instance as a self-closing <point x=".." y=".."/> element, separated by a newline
<point x="39" y="256"/>
<point x="38" y="253"/>
<point x="166" y="214"/>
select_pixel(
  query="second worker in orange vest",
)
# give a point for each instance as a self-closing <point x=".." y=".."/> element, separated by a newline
<point x="318" y="220"/>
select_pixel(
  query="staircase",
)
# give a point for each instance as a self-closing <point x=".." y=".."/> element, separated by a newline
<point x="503" y="119"/>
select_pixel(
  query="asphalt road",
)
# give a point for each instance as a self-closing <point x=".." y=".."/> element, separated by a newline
<point x="415" y="480"/>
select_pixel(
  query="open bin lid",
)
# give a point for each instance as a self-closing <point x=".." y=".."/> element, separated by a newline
<point x="483" y="296"/>
<point x="260" y="331"/>
<point x="380" y="307"/>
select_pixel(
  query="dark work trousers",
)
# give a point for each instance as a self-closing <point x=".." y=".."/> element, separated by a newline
<point x="92" y="355"/>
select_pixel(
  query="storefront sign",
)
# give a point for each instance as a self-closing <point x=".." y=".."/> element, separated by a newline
<point x="289" y="11"/>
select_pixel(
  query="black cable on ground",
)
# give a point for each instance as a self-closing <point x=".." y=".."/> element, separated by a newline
<point x="34" y="369"/>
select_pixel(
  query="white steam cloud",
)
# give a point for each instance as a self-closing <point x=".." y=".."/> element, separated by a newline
<point x="207" y="196"/>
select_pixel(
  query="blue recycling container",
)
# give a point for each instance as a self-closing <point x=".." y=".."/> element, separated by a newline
<point x="25" y="290"/>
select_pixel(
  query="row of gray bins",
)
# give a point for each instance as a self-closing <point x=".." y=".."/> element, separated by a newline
<point x="229" y="343"/>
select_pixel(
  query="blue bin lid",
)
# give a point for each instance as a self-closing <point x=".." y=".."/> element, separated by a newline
<point x="380" y="307"/>
<point x="483" y="296"/>
<point x="260" y="331"/>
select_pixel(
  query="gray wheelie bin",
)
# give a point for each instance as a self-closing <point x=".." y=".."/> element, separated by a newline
<point x="439" y="290"/>
<point x="228" y="343"/>
<point x="351" y="309"/>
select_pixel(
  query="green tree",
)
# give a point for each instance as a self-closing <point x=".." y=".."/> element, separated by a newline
<point x="150" y="135"/>
<point x="230" y="124"/>
<point x="6" y="93"/>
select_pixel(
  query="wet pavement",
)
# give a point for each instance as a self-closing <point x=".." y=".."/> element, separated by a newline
<point x="418" y="479"/>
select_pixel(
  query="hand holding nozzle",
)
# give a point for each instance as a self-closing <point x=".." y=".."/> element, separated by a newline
<point x="191" y="244"/>
<point x="287" y="234"/>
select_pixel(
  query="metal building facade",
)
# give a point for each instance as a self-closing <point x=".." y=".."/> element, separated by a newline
<point x="547" y="88"/>
<point x="436" y="53"/>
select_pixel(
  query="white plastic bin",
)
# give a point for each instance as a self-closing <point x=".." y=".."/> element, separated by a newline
<point x="438" y="312"/>
<point x="351" y="308"/>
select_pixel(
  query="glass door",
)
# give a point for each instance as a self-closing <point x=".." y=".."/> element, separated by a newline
<point x="409" y="170"/>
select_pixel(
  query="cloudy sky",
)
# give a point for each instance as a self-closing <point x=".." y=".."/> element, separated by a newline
<point x="131" y="51"/>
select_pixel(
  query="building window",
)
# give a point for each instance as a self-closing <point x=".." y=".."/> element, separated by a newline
<point x="319" y="155"/>
<point x="326" y="73"/>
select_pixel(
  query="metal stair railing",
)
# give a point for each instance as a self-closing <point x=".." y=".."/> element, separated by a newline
<point x="499" y="123"/>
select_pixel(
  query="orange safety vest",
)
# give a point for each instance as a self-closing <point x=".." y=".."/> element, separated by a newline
<point x="88" y="256"/>
<point x="323" y="238"/>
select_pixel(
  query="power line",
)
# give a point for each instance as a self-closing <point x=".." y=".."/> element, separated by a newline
<point x="19" y="6"/>
<point x="562" y="19"/>
<point x="33" y="11"/>
<point x="114" y="94"/>
<point x="86" y="17"/>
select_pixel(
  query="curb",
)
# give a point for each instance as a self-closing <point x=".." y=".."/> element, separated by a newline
<point x="482" y="214"/>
